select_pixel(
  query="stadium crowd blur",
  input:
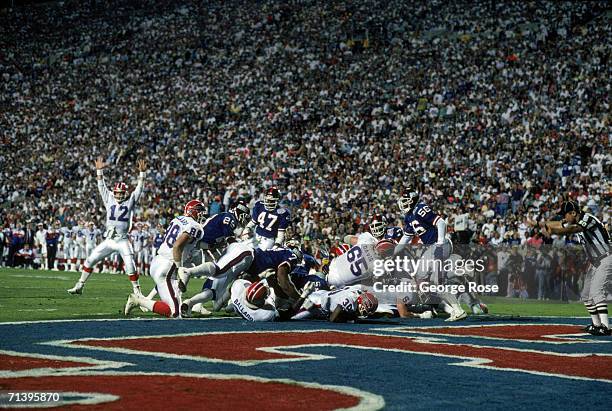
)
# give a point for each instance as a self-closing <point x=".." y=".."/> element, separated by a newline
<point x="496" y="111"/>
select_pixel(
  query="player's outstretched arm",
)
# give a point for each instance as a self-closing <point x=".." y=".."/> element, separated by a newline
<point x="282" y="274"/>
<point x="142" y="169"/>
<point x="556" y="227"/>
<point x="104" y="193"/>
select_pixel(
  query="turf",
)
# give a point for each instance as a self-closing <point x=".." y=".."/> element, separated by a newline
<point x="28" y="295"/>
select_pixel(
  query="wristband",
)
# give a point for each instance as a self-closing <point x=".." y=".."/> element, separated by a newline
<point x="143" y="174"/>
<point x="99" y="172"/>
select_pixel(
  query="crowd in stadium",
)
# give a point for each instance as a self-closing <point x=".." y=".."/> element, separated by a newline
<point x="495" y="112"/>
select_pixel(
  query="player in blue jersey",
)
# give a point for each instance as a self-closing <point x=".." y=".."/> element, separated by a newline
<point x="421" y="221"/>
<point x="217" y="231"/>
<point x="238" y="259"/>
<point x="269" y="220"/>
<point x="311" y="270"/>
<point x="394" y="233"/>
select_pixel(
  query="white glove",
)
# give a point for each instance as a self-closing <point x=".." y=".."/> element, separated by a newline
<point x="308" y="289"/>
<point x="268" y="273"/>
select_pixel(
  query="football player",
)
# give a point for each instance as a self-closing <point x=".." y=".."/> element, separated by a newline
<point x="358" y="262"/>
<point x="430" y="228"/>
<point x="253" y="301"/>
<point x="66" y="241"/>
<point x="270" y="221"/>
<point x="341" y="305"/>
<point x="180" y="238"/>
<point x="377" y="228"/>
<point x="40" y="242"/>
<point x="136" y="239"/>
<point x="78" y="251"/>
<point x="240" y="258"/>
<point x="119" y="209"/>
<point x="218" y="230"/>
<point x="91" y="237"/>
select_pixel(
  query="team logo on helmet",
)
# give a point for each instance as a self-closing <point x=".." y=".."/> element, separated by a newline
<point x="385" y="248"/>
<point x="378" y="226"/>
<point x="196" y="210"/>
<point x="367" y="303"/>
<point x="271" y="199"/>
<point x="256" y="294"/>
<point x="408" y="200"/>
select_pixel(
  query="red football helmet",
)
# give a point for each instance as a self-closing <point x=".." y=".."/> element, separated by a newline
<point x="196" y="210"/>
<point x="120" y="191"/>
<point x="339" y="250"/>
<point x="256" y="294"/>
<point x="367" y="303"/>
<point x="385" y="248"/>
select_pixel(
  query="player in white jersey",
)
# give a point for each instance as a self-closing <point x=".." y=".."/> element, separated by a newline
<point x="137" y="244"/>
<point x="341" y="305"/>
<point x="377" y="227"/>
<point x="358" y="262"/>
<point x="253" y="301"/>
<point x="40" y="242"/>
<point x="145" y="257"/>
<point x="91" y="237"/>
<point x="181" y="237"/>
<point x="78" y="246"/>
<point x="119" y="209"/>
<point x="67" y="241"/>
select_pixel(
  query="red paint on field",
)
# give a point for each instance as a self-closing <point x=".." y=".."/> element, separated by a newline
<point x="536" y="333"/>
<point x="161" y="392"/>
<point x="245" y="346"/>
<point x="18" y="363"/>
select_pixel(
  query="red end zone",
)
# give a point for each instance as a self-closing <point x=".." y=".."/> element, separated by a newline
<point x="163" y="392"/>
<point x="18" y="363"/>
<point x="249" y="347"/>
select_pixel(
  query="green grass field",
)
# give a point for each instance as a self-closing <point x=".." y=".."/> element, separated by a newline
<point x="27" y="295"/>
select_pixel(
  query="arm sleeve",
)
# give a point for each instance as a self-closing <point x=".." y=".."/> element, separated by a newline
<point x="139" y="187"/>
<point x="280" y="237"/>
<point x="403" y="242"/>
<point x="104" y="193"/>
<point x="441" y="225"/>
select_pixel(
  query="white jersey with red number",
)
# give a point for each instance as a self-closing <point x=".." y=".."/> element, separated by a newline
<point x="178" y="226"/>
<point x="119" y="215"/>
<point x="238" y="299"/>
<point x="325" y="302"/>
<point x="353" y="266"/>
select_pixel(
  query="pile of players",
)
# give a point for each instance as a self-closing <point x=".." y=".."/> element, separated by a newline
<point x="253" y="270"/>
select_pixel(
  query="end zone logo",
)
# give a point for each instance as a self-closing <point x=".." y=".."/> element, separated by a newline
<point x="293" y="369"/>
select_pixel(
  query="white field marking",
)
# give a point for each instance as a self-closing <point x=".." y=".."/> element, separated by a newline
<point x="367" y="400"/>
<point x="95" y="363"/>
<point x="467" y="361"/>
<point x="76" y="315"/>
<point x="109" y="319"/>
<point x="39" y="309"/>
<point x="51" y="277"/>
<point x="572" y="337"/>
<point x="88" y="398"/>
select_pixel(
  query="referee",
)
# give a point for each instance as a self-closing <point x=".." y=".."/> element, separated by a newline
<point x="596" y="242"/>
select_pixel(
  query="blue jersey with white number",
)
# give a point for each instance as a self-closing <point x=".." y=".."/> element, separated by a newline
<point x="266" y="259"/>
<point x="300" y="275"/>
<point x="269" y="222"/>
<point x="394" y="233"/>
<point x="219" y="227"/>
<point x="159" y="238"/>
<point x="422" y="223"/>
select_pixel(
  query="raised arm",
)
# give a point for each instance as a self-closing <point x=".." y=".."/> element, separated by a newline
<point x="142" y="169"/>
<point x="104" y="193"/>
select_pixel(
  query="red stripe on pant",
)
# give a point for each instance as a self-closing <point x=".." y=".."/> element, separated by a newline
<point x="171" y="290"/>
<point x="233" y="262"/>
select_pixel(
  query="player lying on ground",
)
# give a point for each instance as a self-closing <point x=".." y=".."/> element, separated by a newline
<point x="182" y="235"/>
<point x="596" y="242"/>
<point x="341" y="305"/>
<point x="119" y="209"/>
<point x="254" y="301"/>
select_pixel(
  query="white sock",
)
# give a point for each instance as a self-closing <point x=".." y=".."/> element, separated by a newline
<point x="602" y="311"/>
<point x="204" y="269"/>
<point x="84" y="276"/>
<point x="594" y="315"/>
<point x="152" y="293"/>
<point x="202" y="297"/>
<point x="145" y="302"/>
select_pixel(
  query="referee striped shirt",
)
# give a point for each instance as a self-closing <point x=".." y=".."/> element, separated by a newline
<point x="594" y="238"/>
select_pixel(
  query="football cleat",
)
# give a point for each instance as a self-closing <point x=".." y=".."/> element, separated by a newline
<point x="131" y="303"/>
<point x="77" y="289"/>
<point x="480" y="309"/>
<point x="185" y="310"/>
<point x="456" y="316"/>
<point x="426" y="315"/>
<point x="590" y="328"/>
<point x="602" y="330"/>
